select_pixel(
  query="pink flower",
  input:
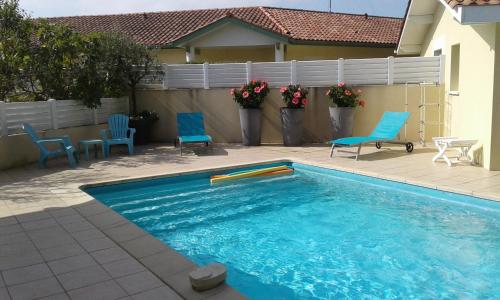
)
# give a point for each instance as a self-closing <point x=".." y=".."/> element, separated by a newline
<point x="295" y="101"/>
<point x="253" y="81"/>
<point x="305" y="101"/>
<point x="263" y="85"/>
<point x="297" y="95"/>
<point x="245" y="94"/>
<point x="232" y="92"/>
<point x="257" y="90"/>
<point x="283" y="89"/>
<point x="348" y="93"/>
<point x="341" y="84"/>
<point x="362" y="103"/>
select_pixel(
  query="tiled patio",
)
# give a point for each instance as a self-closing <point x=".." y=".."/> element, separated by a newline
<point x="56" y="242"/>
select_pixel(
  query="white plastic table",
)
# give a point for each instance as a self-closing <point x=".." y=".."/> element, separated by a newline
<point x="463" y="147"/>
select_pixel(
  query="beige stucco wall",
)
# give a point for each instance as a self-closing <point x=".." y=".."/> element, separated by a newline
<point x="170" y="56"/>
<point x="222" y="118"/>
<point x="18" y="150"/>
<point x="308" y="52"/>
<point x="235" y="54"/>
<point x="495" y="128"/>
<point x="471" y="114"/>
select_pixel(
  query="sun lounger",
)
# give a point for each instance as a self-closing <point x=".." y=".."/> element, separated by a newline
<point x="462" y="145"/>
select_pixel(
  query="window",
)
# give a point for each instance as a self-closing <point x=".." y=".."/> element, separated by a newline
<point x="455" y="68"/>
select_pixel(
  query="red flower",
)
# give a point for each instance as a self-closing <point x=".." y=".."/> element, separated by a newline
<point x="263" y="85"/>
<point x="348" y="93"/>
<point x="297" y="95"/>
<point x="257" y="90"/>
<point x="362" y="103"/>
<point x="341" y="84"/>
<point x="305" y="101"/>
<point x="283" y="89"/>
<point x="245" y="94"/>
<point x="232" y="92"/>
<point x="295" y="101"/>
<point x="253" y="81"/>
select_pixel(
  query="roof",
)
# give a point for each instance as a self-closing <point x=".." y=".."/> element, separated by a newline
<point x="161" y="29"/>
<point x="454" y="3"/>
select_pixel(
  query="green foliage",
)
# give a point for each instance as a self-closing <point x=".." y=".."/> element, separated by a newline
<point x="294" y="96"/>
<point x="343" y="95"/>
<point x="251" y="95"/>
<point x="39" y="61"/>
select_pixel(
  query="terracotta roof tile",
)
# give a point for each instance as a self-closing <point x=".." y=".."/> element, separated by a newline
<point x="454" y="3"/>
<point x="164" y="28"/>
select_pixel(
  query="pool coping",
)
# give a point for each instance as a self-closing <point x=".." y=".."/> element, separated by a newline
<point x="169" y="265"/>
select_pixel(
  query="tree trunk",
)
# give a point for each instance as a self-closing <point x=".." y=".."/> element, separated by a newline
<point x="133" y="102"/>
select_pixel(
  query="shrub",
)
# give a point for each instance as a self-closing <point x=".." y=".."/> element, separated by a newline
<point x="251" y="95"/>
<point x="294" y="96"/>
<point x="344" y="96"/>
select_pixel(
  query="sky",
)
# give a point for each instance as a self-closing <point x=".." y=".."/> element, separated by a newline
<point x="54" y="8"/>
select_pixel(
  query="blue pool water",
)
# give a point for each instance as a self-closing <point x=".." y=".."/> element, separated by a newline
<point x="323" y="234"/>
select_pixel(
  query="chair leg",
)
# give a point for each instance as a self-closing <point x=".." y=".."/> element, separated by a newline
<point x="42" y="161"/>
<point x="130" y="148"/>
<point x="87" y="152"/>
<point x="359" y="150"/>
<point x="331" y="151"/>
<point x="71" y="157"/>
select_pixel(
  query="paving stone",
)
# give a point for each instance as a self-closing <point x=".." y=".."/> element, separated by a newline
<point x="4" y="294"/>
<point x="20" y="260"/>
<point x="123" y="267"/>
<point x="139" y="282"/>
<point x="83" y="277"/>
<point x="61" y="296"/>
<point x="144" y="246"/>
<point x="77" y="226"/>
<point x="13" y="238"/>
<point x="33" y="216"/>
<point x="71" y="263"/>
<point x="110" y="255"/>
<point x="161" y="293"/>
<point x="35" y="289"/>
<point x="125" y="232"/>
<point x="62" y="251"/>
<point x="167" y="263"/>
<point x="107" y="220"/>
<point x="26" y="274"/>
<point x="10" y="229"/>
<point x="90" y="234"/>
<point x="7" y="221"/>
<point x="39" y="224"/>
<point x="97" y="244"/>
<point x="108" y="290"/>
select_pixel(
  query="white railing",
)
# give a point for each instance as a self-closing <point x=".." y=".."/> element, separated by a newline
<point x="319" y="73"/>
<point x="55" y="114"/>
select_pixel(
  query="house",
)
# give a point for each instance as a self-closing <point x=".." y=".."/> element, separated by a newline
<point x="249" y="34"/>
<point x="467" y="32"/>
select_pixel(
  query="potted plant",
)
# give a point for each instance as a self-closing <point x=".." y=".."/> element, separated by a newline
<point x="143" y="122"/>
<point x="250" y="97"/>
<point x="292" y="116"/>
<point x="345" y="100"/>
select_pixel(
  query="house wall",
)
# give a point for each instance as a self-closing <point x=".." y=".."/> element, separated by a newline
<point x="235" y="54"/>
<point x="170" y="56"/>
<point x="495" y="134"/>
<point x="222" y="117"/>
<point x="310" y="52"/>
<point x="19" y="150"/>
<point x="470" y="114"/>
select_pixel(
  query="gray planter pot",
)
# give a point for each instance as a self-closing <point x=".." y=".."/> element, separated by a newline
<point x="250" y="120"/>
<point x="292" y="121"/>
<point x="342" y="119"/>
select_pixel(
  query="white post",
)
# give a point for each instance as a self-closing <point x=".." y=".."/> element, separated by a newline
<point x="340" y="76"/>
<point x="165" y="76"/>
<point x="293" y="69"/>
<point x="206" y="84"/>
<point x="249" y="71"/>
<point x="53" y="113"/>
<point x="390" y="70"/>
<point x="94" y="115"/>
<point x="279" y="52"/>
<point x="190" y="55"/>
<point x="442" y="69"/>
<point x="3" y="119"/>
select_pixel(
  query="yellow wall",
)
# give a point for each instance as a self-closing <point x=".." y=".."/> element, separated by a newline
<point x="470" y="114"/>
<point x="222" y="118"/>
<point x="307" y="52"/>
<point x="235" y="54"/>
<point x="170" y="56"/>
<point x="495" y="134"/>
<point x="20" y="150"/>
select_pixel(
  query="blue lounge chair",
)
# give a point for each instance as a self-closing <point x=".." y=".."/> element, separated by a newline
<point x="120" y="133"/>
<point x="386" y="131"/>
<point x="191" y="129"/>
<point x="65" y="147"/>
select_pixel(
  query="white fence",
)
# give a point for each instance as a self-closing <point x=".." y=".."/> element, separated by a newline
<point x="320" y="73"/>
<point x="55" y="114"/>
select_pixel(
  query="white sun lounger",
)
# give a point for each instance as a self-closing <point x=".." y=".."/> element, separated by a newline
<point x="462" y="145"/>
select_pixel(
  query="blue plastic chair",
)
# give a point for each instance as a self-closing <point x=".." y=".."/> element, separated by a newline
<point x="65" y="147"/>
<point x="118" y="133"/>
<point x="191" y="129"/>
<point x="386" y="131"/>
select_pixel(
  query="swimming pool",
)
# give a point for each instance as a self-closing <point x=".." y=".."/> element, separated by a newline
<point x="323" y="234"/>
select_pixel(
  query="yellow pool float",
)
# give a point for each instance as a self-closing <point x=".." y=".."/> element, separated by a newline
<point x="273" y="171"/>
